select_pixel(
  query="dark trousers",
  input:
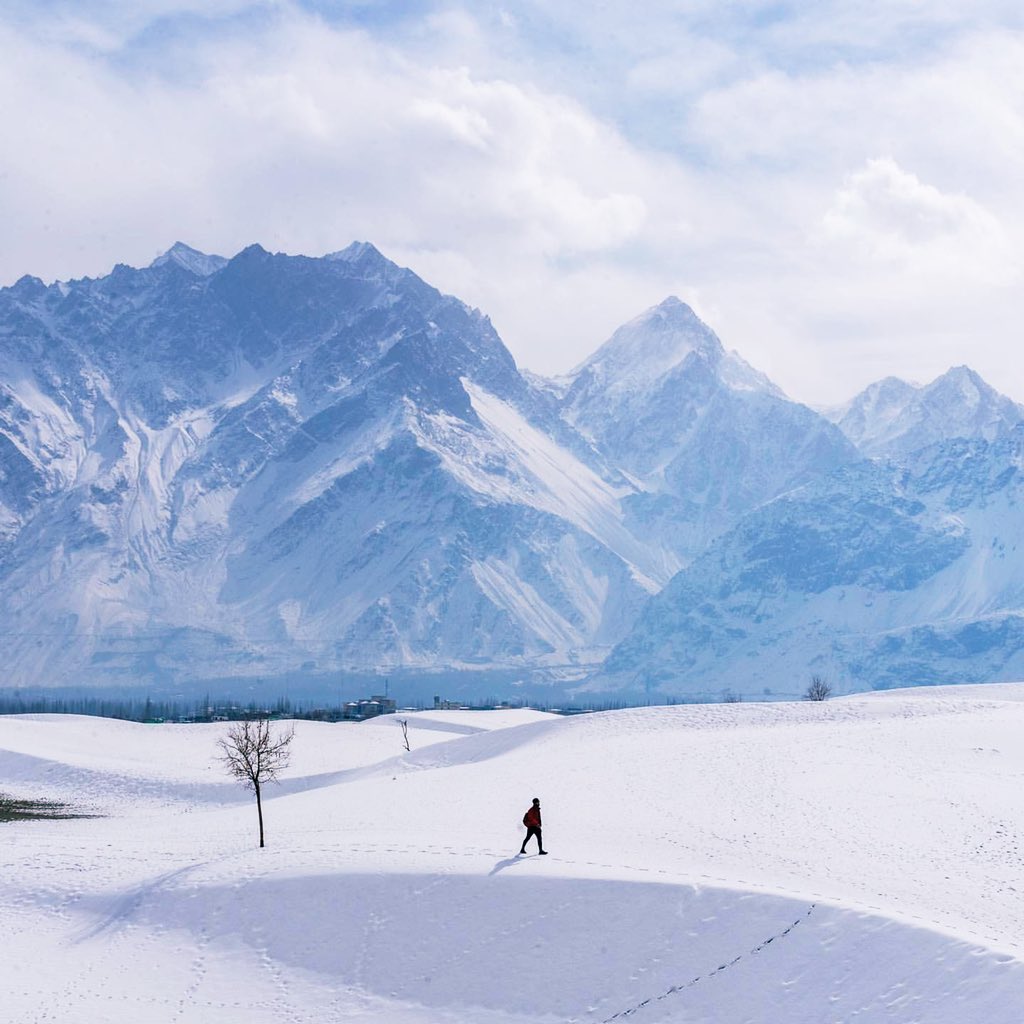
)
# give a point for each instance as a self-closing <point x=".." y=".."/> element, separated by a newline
<point x="531" y="831"/>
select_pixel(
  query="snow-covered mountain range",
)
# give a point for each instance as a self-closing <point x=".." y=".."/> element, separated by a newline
<point x="275" y="466"/>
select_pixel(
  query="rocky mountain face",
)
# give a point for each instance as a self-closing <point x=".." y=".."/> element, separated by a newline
<point x="704" y="434"/>
<point x="274" y="467"/>
<point x="243" y="467"/>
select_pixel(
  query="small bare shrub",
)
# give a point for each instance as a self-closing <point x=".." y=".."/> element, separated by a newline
<point x="819" y="689"/>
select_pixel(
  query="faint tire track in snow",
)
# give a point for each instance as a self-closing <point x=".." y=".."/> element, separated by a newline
<point x="675" y="989"/>
<point x="125" y="907"/>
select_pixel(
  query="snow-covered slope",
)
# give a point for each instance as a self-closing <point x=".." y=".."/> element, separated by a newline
<point x="856" y="860"/>
<point x="893" y="418"/>
<point x="706" y="436"/>
<point x="876" y="576"/>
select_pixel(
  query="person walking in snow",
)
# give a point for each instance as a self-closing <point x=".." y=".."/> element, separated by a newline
<point x="531" y="819"/>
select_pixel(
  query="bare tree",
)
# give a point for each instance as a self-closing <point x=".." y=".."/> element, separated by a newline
<point x="819" y="689"/>
<point x="253" y="753"/>
<point x="404" y="723"/>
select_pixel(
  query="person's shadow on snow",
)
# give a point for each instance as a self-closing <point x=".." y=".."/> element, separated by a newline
<point x="506" y="863"/>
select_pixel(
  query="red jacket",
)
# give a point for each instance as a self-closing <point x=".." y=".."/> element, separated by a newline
<point x="531" y="819"/>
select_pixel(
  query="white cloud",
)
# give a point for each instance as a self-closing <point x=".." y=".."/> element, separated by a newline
<point x="464" y="124"/>
<point x="891" y="216"/>
<point x="835" y="219"/>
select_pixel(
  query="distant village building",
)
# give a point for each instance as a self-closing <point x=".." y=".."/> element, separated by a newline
<point x="447" y="705"/>
<point x="358" y="710"/>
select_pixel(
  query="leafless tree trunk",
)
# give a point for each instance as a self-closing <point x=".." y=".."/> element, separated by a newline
<point x="253" y="753"/>
<point x="404" y="723"/>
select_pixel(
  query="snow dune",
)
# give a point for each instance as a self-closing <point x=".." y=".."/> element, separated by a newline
<point x="858" y="860"/>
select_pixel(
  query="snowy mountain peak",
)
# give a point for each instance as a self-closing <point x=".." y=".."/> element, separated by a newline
<point x="357" y="252"/>
<point x="650" y="345"/>
<point x="893" y="418"/>
<point x="663" y="401"/>
<point x="251" y="252"/>
<point x="27" y="288"/>
<point x="199" y="263"/>
<point x="880" y="403"/>
<point x="672" y="309"/>
<point x="965" y="384"/>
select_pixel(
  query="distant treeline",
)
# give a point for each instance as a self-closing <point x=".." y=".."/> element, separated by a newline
<point x="146" y="709"/>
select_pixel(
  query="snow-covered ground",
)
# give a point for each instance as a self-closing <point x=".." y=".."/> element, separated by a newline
<point x="858" y="860"/>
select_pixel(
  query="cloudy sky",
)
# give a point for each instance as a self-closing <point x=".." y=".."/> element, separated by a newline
<point x="836" y="187"/>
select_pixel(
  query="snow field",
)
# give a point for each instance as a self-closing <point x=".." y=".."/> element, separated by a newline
<point x="852" y="861"/>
